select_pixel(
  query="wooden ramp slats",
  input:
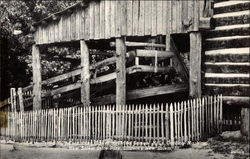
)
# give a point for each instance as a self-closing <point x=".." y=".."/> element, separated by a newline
<point x="104" y="78"/>
<point x="105" y="62"/>
<point x="146" y="68"/>
<point x="62" y="89"/>
<point x="143" y="93"/>
<point x="130" y="70"/>
<point x="62" y="77"/>
<point x="150" y="53"/>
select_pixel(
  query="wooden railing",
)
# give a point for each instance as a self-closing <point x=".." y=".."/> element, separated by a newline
<point x="133" y="125"/>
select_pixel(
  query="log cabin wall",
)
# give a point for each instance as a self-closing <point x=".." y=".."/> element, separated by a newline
<point x="105" y="19"/>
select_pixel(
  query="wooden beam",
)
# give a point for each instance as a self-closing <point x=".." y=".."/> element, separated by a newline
<point x="103" y="78"/>
<point x="143" y="93"/>
<point x="195" y="64"/>
<point x="156" y="91"/>
<point x="120" y="72"/>
<point x="139" y="44"/>
<point x="206" y="23"/>
<point x="37" y="78"/>
<point x="149" y="53"/>
<point x="85" y="75"/>
<point x="146" y="68"/>
<point x="236" y="100"/>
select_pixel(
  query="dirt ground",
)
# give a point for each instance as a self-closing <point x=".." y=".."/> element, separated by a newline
<point x="214" y="148"/>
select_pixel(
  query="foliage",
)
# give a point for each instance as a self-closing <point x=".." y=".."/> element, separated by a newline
<point x="16" y="53"/>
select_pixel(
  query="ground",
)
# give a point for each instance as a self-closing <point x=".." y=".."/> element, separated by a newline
<point x="214" y="148"/>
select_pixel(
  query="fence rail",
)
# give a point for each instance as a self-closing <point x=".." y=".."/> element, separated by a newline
<point x="170" y="124"/>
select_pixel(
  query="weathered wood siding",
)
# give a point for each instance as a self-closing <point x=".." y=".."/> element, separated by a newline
<point x="106" y="19"/>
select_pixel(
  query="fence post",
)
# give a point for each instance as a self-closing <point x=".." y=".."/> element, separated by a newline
<point x="20" y="95"/>
<point x="13" y="99"/>
<point x="171" y="126"/>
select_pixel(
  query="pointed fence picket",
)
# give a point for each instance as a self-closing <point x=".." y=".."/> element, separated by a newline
<point x="139" y="124"/>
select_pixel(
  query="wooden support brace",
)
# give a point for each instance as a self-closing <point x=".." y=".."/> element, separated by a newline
<point x="37" y="79"/>
<point x="85" y="75"/>
<point x="195" y="64"/>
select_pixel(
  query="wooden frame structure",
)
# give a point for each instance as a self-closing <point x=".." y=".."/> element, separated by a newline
<point x="96" y="20"/>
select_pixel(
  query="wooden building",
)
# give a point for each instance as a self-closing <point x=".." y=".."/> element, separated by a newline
<point x="127" y="26"/>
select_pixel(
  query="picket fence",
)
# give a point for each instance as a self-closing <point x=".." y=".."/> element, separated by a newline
<point x="154" y="124"/>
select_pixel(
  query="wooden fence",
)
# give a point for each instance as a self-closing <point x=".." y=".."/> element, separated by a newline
<point x="154" y="124"/>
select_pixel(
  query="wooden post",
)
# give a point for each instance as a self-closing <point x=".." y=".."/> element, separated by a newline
<point x="120" y="72"/>
<point x="20" y="95"/>
<point x="195" y="64"/>
<point x="37" y="78"/>
<point x="85" y="75"/>
<point x="13" y="99"/>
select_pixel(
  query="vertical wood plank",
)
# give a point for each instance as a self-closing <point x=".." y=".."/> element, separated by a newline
<point x="174" y="16"/>
<point x="135" y="17"/>
<point x="150" y="123"/>
<point x="158" y="124"/>
<point x="196" y="15"/>
<point x="169" y="24"/>
<point x="141" y="17"/>
<point x="185" y="121"/>
<point x="154" y="18"/>
<point x="102" y="19"/>
<point x="107" y="18"/>
<point x="164" y="17"/>
<point x="221" y="119"/>
<point x="113" y="122"/>
<point x="123" y="17"/>
<point x="92" y="19"/>
<point x="159" y="20"/>
<point x="171" y="125"/>
<point x="118" y="18"/>
<point x="179" y="121"/>
<point x="146" y="123"/>
<point x="154" y="123"/>
<point x="132" y="122"/>
<point x="129" y="17"/>
<point x="182" y="123"/>
<point x="162" y="123"/>
<point x="167" y="125"/>
<point x="176" y="121"/>
<point x="136" y="123"/>
<point x="113" y="18"/>
<point x="87" y="23"/>
<point x="97" y="20"/>
<point x="139" y="125"/>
